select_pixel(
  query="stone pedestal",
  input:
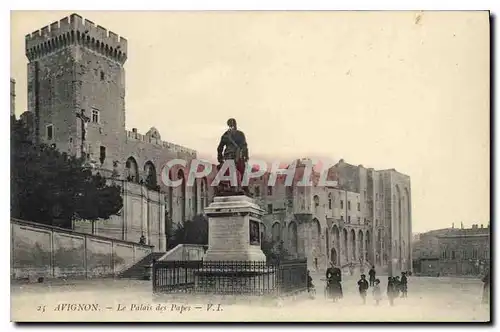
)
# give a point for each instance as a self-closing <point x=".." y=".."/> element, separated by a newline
<point x="234" y="228"/>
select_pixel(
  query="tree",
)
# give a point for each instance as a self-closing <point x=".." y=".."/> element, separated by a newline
<point x="193" y="231"/>
<point x="53" y="188"/>
<point x="275" y="251"/>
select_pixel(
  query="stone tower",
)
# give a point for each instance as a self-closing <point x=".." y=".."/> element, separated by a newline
<point x="75" y="66"/>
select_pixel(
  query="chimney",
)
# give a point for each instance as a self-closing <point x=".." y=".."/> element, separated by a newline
<point x="134" y="130"/>
<point x="462" y="225"/>
<point x="453" y="225"/>
<point x="481" y="225"/>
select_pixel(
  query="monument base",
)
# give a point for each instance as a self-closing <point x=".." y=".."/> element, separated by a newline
<point x="237" y="281"/>
<point x="234" y="224"/>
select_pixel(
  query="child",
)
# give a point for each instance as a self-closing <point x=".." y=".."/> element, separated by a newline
<point x="377" y="294"/>
<point x="363" y="287"/>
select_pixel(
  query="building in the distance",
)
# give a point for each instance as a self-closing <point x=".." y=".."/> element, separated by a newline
<point x="76" y="100"/>
<point x="365" y="219"/>
<point x="453" y="251"/>
<point x="466" y="252"/>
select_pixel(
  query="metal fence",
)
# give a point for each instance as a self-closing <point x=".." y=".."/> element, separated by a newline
<point x="230" y="277"/>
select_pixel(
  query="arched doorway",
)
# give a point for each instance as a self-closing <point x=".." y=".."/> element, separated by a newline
<point x="353" y="244"/>
<point x="333" y="256"/>
<point x="361" y="249"/>
<point x="345" y="248"/>
<point x="368" y="251"/>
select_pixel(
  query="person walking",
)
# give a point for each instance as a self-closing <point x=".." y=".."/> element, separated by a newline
<point x="371" y="275"/>
<point x="404" y="285"/>
<point x="363" y="287"/>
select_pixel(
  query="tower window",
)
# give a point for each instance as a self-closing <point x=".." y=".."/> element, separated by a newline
<point x="95" y="115"/>
<point x="269" y="208"/>
<point x="49" y="130"/>
<point x="269" y="191"/>
<point x="349" y="205"/>
<point x="102" y="75"/>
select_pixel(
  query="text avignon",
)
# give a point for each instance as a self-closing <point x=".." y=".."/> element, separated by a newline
<point x="76" y="307"/>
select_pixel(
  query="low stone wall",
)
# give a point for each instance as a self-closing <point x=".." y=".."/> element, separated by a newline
<point x="39" y="250"/>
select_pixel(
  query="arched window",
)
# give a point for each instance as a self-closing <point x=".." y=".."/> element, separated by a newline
<point x="150" y="175"/>
<point x="330" y="201"/>
<point x="132" y="171"/>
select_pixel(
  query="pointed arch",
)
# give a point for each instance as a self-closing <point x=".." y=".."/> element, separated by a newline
<point x="276" y="232"/>
<point x="132" y="170"/>
<point x="353" y="244"/>
<point x="361" y="247"/>
<point x="151" y="178"/>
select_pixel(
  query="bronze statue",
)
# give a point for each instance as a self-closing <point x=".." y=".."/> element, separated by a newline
<point x="233" y="146"/>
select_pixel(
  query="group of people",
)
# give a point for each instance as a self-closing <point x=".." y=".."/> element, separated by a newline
<point x="396" y="286"/>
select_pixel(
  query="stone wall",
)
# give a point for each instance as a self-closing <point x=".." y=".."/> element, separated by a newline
<point x="44" y="251"/>
<point x="143" y="213"/>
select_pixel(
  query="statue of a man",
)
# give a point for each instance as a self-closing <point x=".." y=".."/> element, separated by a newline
<point x="233" y="146"/>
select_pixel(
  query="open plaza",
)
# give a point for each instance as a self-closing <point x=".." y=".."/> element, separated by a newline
<point x="429" y="299"/>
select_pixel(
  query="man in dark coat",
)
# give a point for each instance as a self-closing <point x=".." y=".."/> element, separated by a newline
<point x="372" y="275"/>
<point x="233" y="146"/>
<point x="363" y="287"/>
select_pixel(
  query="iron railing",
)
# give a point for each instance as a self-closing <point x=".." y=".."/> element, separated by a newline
<point x="230" y="277"/>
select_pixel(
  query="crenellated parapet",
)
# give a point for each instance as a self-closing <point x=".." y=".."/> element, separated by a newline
<point x="151" y="139"/>
<point x="74" y="30"/>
